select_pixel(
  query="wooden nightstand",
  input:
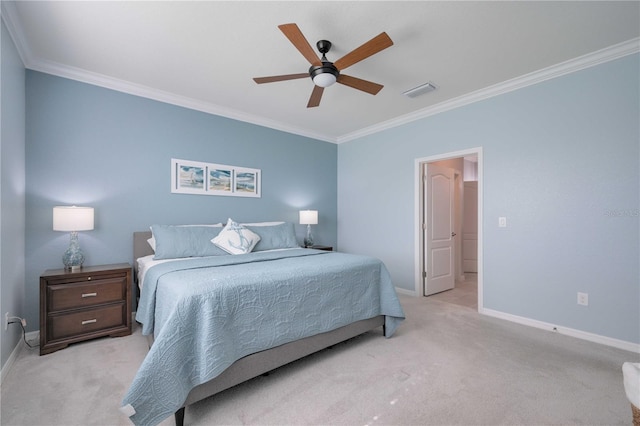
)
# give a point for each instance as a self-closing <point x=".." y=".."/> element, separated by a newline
<point x="80" y="305"/>
<point x="325" y="248"/>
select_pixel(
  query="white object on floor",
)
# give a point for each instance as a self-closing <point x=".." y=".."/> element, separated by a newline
<point x="631" y="379"/>
<point x="128" y="410"/>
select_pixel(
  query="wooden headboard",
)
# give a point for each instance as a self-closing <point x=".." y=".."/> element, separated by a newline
<point x="140" y="248"/>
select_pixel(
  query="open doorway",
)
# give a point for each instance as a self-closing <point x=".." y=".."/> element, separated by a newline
<point x="448" y="215"/>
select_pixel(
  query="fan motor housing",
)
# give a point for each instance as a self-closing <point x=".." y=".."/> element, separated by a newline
<point x="326" y="67"/>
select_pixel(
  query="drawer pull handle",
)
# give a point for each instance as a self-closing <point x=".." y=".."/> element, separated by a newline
<point x="91" y="321"/>
<point x="88" y="278"/>
<point x="89" y="294"/>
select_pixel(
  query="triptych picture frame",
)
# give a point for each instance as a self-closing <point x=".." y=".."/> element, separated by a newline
<point x="195" y="177"/>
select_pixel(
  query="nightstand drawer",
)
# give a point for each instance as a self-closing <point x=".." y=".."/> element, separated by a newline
<point x="88" y="321"/>
<point x="68" y="296"/>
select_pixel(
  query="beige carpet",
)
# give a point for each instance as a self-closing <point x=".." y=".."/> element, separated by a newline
<point x="465" y="293"/>
<point x="446" y="365"/>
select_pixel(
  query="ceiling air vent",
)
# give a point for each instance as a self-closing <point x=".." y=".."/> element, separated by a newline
<point x="420" y="90"/>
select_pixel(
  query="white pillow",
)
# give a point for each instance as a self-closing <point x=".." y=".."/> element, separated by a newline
<point x="236" y="239"/>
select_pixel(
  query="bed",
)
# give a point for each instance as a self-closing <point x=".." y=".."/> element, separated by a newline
<point x="218" y="320"/>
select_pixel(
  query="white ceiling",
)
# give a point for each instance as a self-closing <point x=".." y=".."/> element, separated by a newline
<point x="203" y="55"/>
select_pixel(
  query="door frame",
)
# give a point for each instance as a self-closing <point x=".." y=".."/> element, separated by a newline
<point x="418" y="214"/>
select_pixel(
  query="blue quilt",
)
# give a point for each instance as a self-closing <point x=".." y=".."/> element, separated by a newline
<point x="207" y="313"/>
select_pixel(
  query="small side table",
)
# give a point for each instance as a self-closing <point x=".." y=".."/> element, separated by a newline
<point x="80" y="305"/>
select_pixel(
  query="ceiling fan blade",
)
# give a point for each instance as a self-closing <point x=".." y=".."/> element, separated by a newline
<point x="360" y="84"/>
<point x="373" y="46"/>
<point x="274" y="78"/>
<point x="295" y="36"/>
<point x="316" y="95"/>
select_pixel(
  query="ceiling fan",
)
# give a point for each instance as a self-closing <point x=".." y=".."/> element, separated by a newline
<point x="325" y="73"/>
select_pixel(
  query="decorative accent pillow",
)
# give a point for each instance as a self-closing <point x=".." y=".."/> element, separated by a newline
<point x="236" y="239"/>
<point x="184" y="241"/>
<point x="274" y="236"/>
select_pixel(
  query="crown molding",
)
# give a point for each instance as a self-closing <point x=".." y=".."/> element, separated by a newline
<point x="135" y="89"/>
<point x="10" y="19"/>
<point x="607" y="54"/>
<point x="9" y="16"/>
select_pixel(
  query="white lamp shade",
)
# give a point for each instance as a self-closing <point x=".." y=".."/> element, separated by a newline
<point x="308" y="217"/>
<point x="324" y="79"/>
<point x="72" y="218"/>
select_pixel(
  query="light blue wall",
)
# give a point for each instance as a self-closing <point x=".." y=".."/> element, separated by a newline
<point x="560" y="158"/>
<point x="561" y="162"/>
<point x="12" y="191"/>
<point x="87" y="145"/>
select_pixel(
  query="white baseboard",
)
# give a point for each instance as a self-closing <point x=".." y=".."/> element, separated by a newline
<point x="31" y="337"/>
<point x="7" y="365"/>
<point x="406" y="292"/>
<point x="596" y="338"/>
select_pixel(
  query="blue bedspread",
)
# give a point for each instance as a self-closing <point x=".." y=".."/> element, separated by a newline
<point x="206" y="313"/>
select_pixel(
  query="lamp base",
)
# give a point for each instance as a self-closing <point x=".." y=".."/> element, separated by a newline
<point x="73" y="258"/>
<point x="308" y="240"/>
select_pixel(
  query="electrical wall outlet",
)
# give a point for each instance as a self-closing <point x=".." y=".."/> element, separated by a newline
<point x="583" y="299"/>
<point x="8" y="319"/>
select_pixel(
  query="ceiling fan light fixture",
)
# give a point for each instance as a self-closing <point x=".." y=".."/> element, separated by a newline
<point x="324" y="75"/>
<point x="324" y="79"/>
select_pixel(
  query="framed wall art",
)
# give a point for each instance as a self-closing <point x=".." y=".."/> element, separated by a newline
<point x="220" y="179"/>
<point x="194" y="177"/>
<point x="246" y="182"/>
<point x="187" y="177"/>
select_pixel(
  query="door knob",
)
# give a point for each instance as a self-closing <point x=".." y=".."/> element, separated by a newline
<point x="453" y="234"/>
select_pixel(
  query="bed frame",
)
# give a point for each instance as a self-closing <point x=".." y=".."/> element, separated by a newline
<point x="261" y="362"/>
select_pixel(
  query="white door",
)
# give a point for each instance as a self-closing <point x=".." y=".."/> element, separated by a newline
<point x="438" y="229"/>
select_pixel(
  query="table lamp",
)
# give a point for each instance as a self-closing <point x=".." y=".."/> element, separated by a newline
<point x="308" y="217"/>
<point x="73" y="219"/>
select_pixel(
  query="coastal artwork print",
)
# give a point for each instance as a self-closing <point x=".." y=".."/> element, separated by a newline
<point x="220" y="179"/>
<point x="194" y="177"/>
<point x="187" y="177"/>
<point x="246" y="181"/>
